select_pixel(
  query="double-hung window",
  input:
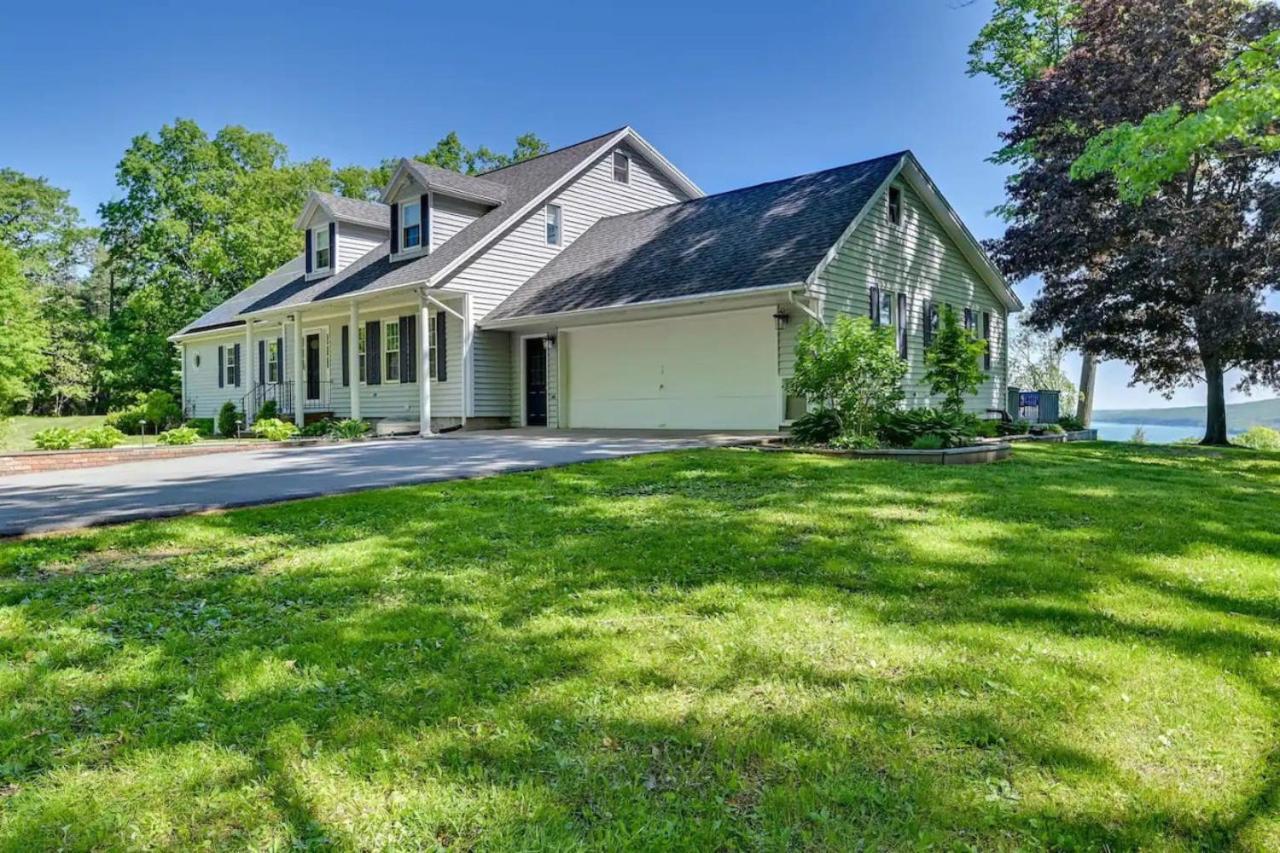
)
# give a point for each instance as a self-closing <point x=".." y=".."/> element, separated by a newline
<point x="322" y="250"/>
<point x="621" y="168"/>
<point x="391" y="346"/>
<point x="360" y="349"/>
<point x="885" y="317"/>
<point x="273" y="362"/>
<point x="555" y="231"/>
<point x="895" y="206"/>
<point x="230" y="366"/>
<point x="410" y="225"/>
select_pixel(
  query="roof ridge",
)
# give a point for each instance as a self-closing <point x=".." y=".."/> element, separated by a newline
<point x="553" y="151"/>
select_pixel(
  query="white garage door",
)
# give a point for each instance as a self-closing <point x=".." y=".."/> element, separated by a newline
<point x="716" y="371"/>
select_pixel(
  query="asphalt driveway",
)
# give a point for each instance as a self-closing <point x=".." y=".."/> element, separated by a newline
<point x="59" y="500"/>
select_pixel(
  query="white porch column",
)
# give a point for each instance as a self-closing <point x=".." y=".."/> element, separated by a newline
<point x="299" y="381"/>
<point x="424" y="366"/>
<point x="251" y="377"/>
<point x="353" y="359"/>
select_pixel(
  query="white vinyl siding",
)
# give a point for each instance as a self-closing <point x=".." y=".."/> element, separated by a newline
<point x="356" y="241"/>
<point x="918" y="258"/>
<point x="451" y="215"/>
<point x="523" y="251"/>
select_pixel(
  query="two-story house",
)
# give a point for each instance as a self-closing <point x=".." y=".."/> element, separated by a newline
<point x="593" y="286"/>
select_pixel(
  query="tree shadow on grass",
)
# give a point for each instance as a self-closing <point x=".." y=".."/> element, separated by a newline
<point x="701" y="649"/>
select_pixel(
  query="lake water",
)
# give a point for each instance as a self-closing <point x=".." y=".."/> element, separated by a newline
<point x="1156" y="434"/>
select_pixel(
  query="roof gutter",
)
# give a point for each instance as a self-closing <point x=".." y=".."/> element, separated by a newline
<point x="716" y="296"/>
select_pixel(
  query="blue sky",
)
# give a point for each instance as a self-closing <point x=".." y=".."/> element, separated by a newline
<point x="733" y="93"/>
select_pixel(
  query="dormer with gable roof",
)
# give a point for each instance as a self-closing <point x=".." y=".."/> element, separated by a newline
<point x="428" y="205"/>
<point x="339" y="231"/>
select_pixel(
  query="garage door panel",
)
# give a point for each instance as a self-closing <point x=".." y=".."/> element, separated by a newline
<point x="715" y="371"/>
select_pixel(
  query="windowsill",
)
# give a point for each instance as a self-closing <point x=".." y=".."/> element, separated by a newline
<point x="406" y="254"/>
<point x="325" y="272"/>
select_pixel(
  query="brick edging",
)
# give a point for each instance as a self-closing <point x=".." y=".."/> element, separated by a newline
<point x="34" y="462"/>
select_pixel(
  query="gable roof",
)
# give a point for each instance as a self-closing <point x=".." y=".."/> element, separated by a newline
<point x="343" y="209"/>
<point x="528" y="183"/>
<point x="286" y="279"/>
<point x="447" y="182"/>
<point x="761" y="236"/>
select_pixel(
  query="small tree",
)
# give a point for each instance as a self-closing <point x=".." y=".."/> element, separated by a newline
<point x="851" y="369"/>
<point x="952" y="362"/>
<point x="228" y="417"/>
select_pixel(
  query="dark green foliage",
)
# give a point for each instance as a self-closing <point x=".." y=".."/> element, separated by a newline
<point x="270" y="409"/>
<point x="316" y="429"/>
<point x="1070" y="423"/>
<point x="202" y="426"/>
<point x="178" y="436"/>
<point x="228" y="417"/>
<point x="818" y="427"/>
<point x="930" y="441"/>
<point x="158" y="409"/>
<point x="348" y="429"/>
<point x="953" y="361"/>
<point x="902" y="428"/>
<point x="1016" y="427"/>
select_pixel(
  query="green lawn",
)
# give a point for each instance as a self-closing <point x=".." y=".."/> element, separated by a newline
<point x="16" y="433"/>
<point x="716" y="649"/>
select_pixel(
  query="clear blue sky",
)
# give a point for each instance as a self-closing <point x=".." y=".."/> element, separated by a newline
<point x="733" y="93"/>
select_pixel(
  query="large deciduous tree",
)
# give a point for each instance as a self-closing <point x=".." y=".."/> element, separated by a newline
<point x="1172" y="285"/>
<point x="23" y="334"/>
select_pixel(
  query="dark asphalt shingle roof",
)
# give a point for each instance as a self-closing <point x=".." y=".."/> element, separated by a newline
<point x="524" y="181"/>
<point x="770" y="234"/>
<point x="448" y="180"/>
<point x="282" y="282"/>
<point x="356" y="210"/>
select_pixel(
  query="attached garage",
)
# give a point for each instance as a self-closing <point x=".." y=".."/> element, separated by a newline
<point x="710" y="371"/>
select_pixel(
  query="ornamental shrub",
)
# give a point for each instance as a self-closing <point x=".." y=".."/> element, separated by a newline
<point x="850" y="368"/>
<point x="54" y="438"/>
<point x="818" y="427"/>
<point x="929" y="442"/>
<point x="178" y="436"/>
<point x="99" y="438"/>
<point x="348" y="429"/>
<point x="903" y="427"/>
<point x="228" y="416"/>
<point x="158" y="408"/>
<point x="1070" y="423"/>
<point x="270" y="409"/>
<point x="1259" y="438"/>
<point x="273" y="429"/>
<point x="953" y="361"/>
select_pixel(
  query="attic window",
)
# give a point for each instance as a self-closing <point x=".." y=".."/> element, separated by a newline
<point x="320" y="240"/>
<point x="411" y="226"/>
<point x="553" y="225"/>
<point x="621" y="168"/>
<point x="895" y="206"/>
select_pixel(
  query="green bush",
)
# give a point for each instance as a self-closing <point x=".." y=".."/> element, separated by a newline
<point x="853" y="441"/>
<point x="99" y="438"/>
<point x="269" y="410"/>
<point x="54" y="438"/>
<point x="850" y="368"/>
<point x="348" y="429"/>
<point x="274" y="429"/>
<point x="1018" y="427"/>
<point x="178" y="436"/>
<point x="228" y="417"/>
<point x="158" y="409"/>
<point x="818" y="427"/>
<point x="989" y="428"/>
<point x="1070" y="424"/>
<point x="1259" y="438"/>
<point x="203" y="426"/>
<point x="1054" y="429"/>
<point x="903" y="427"/>
<point x="952" y="361"/>
<point x="316" y="429"/>
<point x="929" y="442"/>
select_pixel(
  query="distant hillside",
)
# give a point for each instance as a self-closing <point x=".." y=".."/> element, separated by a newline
<point x="1239" y="415"/>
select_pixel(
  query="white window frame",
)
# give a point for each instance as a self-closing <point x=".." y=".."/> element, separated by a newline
<point x="316" y="266"/>
<point x="546" y="224"/>
<point x="889" y="197"/>
<point x="360" y="353"/>
<point x="229" y="366"/>
<point x="273" y="362"/>
<point x="422" y="236"/>
<point x="888" y="308"/>
<point x="625" y="157"/>
<point x="390" y="365"/>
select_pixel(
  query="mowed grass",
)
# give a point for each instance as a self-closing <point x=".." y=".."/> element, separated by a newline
<point x="16" y="433"/>
<point x="1076" y="649"/>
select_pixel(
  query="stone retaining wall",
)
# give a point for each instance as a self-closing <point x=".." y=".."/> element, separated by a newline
<point x="59" y="460"/>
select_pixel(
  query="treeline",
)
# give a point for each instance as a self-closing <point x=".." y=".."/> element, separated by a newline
<point x="85" y="312"/>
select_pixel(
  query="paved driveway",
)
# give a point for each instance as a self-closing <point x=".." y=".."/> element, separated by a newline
<point x="35" y="503"/>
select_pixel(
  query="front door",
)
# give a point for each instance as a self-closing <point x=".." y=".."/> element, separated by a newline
<point x="535" y="382"/>
<point x="313" y="366"/>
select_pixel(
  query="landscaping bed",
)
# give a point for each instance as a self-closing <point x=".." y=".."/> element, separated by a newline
<point x="35" y="461"/>
<point x="978" y="454"/>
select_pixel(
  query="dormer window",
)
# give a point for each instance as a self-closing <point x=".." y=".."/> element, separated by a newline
<point x="410" y="225"/>
<point x="321" y="248"/>
<point x="621" y="168"/>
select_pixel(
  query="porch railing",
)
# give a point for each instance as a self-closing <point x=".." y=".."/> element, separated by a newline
<point x="282" y="394"/>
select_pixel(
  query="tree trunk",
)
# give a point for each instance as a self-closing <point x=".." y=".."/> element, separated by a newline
<point x="1088" y="378"/>
<point x="1215" y="428"/>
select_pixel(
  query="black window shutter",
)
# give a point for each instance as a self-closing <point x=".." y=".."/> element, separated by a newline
<point x="926" y="317"/>
<point x="222" y="374"/>
<point x="986" y="334"/>
<point x="873" y="305"/>
<point x="280" y="359"/>
<point x="308" y="250"/>
<point x="333" y="246"/>
<point x="262" y="362"/>
<point x="408" y="348"/>
<point x="424" y="217"/>
<point x="373" y="353"/>
<point x="395" y="228"/>
<point x="442" y="347"/>
<point x="346" y="356"/>
<point x="239" y="366"/>
<point x="902" y="325"/>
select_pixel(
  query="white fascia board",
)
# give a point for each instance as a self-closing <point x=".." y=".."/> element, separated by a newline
<point x="717" y="296"/>
<point x="664" y="165"/>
